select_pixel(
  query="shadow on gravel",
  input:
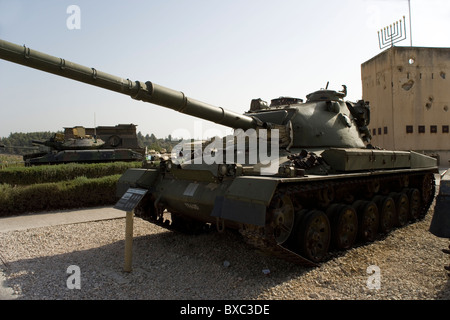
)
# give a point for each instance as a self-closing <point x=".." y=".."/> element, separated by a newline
<point x="444" y="294"/>
<point x="166" y="265"/>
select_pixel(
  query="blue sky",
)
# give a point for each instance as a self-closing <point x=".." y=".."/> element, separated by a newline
<point x="224" y="53"/>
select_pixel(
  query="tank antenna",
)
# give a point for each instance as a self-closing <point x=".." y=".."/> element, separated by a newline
<point x="95" y="130"/>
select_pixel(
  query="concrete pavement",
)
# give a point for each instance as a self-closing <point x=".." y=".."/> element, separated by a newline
<point x="38" y="220"/>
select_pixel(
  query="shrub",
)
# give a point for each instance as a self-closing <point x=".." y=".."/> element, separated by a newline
<point x="76" y="193"/>
<point x="62" y="172"/>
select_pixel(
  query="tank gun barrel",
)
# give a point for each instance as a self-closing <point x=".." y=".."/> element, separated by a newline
<point x="47" y="143"/>
<point x="38" y="142"/>
<point x="144" y="91"/>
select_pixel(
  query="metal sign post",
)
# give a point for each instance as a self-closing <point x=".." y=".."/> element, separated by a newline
<point x="127" y="203"/>
<point x="128" y="241"/>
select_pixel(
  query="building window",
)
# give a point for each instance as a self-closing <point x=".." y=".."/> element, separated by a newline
<point x="385" y="130"/>
<point x="379" y="131"/>
<point x="444" y="129"/>
<point x="421" y="129"/>
<point x="409" y="129"/>
<point x="433" y="129"/>
<point x="374" y="132"/>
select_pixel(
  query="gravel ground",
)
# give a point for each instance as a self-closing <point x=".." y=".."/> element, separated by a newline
<point x="214" y="266"/>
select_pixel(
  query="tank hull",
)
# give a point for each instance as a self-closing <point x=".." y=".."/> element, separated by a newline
<point x="83" y="156"/>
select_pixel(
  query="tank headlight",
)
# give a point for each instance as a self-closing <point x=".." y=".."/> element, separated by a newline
<point x="222" y="169"/>
<point x="289" y="171"/>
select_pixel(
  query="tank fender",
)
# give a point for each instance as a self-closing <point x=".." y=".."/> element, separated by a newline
<point x="133" y="178"/>
<point x="246" y="200"/>
<point x="440" y="223"/>
<point x="419" y="160"/>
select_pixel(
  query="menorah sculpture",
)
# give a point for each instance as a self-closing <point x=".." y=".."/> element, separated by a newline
<point x="392" y="34"/>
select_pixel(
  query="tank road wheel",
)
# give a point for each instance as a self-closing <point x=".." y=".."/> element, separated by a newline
<point x="314" y="233"/>
<point x="414" y="203"/>
<point x="368" y="220"/>
<point x="344" y="225"/>
<point x="386" y="208"/>
<point x="283" y="218"/>
<point x="402" y="208"/>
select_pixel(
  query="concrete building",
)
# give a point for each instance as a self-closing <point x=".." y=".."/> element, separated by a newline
<point x="409" y="93"/>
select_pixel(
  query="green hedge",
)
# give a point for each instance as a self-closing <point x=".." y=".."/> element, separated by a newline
<point x="76" y="193"/>
<point x="56" y="173"/>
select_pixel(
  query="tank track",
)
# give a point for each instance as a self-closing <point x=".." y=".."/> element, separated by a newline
<point x="267" y="244"/>
<point x="264" y="239"/>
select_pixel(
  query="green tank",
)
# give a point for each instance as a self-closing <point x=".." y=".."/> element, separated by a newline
<point x="75" y="146"/>
<point x="82" y="156"/>
<point x="298" y="179"/>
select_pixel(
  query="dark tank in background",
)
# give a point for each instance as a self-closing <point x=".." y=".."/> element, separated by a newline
<point x="89" y="145"/>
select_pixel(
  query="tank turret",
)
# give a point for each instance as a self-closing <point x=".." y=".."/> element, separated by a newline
<point x="79" y="142"/>
<point x="297" y="179"/>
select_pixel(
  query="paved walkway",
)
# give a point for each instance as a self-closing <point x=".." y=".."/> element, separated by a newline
<point x="38" y="220"/>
